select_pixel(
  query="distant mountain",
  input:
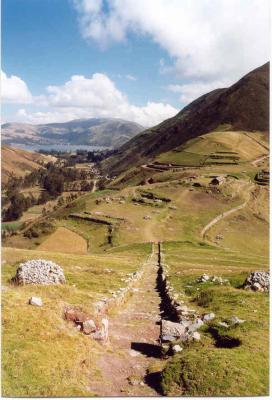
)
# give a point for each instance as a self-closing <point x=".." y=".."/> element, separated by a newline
<point x="18" y="162"/>
<point x="243" y="106"/>
<point x="108" y="132"/>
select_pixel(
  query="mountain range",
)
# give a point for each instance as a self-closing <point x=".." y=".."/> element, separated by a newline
<point x="104" y="132"/>
<point x="242" y="107"/>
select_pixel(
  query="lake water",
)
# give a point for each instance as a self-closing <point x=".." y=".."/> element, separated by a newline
<point x="58" y="147"/>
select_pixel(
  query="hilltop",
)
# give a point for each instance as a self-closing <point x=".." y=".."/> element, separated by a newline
<point x="242" y="107"/>
<point x="18" y="163"/>
<point x="106" y="132"/>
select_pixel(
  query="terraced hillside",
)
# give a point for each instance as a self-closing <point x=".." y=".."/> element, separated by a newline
<point x="165" y="244"/>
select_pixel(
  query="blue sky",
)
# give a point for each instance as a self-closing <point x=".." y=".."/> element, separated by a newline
<point x="141" y="61"/>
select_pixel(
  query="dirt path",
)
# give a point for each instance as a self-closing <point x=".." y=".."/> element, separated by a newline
<point x="133" y="347"/>
<point x="94" y="185"/>
<point x="224" y="215"/>
<point x="255" y="162"/>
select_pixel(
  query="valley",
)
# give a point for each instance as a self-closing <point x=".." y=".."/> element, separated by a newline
<point x="167" y="232"/>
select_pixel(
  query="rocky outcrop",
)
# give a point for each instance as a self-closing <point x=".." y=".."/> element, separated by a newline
<point x="39" y="272"/>
<point x="257" y="281"/>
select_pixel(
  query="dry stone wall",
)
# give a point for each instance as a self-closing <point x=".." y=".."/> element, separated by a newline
<point x="121" y="295"/>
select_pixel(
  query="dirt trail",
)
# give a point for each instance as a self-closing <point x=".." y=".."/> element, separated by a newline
<point x="134" y="333"/>
<point x="94" y="185"/>
<point x="255" y="162"/>
<point x="226" y="213"/>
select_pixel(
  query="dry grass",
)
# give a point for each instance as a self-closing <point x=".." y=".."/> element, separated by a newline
<point x="64" y="241"/>
<point x="42" y="354"/>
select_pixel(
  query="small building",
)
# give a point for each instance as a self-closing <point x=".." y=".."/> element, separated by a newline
<point x="217" y="180"/>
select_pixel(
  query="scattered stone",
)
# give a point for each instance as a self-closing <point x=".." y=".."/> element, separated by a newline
<point x="177" y="349"/>
<point x="89" y="327"/>
<point x="219" y="280"/>
<point x="75" y="315"/>
<point x="208" y="317"/>
<point x="214" y="279"/>
<point x="257" y="281"/>
<point x="168" y="338"/>
<point x="203" y="278"/>
<point x="224" y="324"/>
<point x="134" y="353"/>
<point x="134" y="381"/>
<point x="196" y="325"/>
<point x="146" y="217"/>
<point x="42" y="272"/>
<point x="236" y="320"/>
<point x="171" y="330"/>
<point x="196" y="336"/>
<point x="36" y="301"/>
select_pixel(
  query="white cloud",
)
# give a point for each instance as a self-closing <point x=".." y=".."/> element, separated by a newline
<point x="14" y="90"/>
<point x="191" y="91"/>
<point x="207" y="39"/>
<point x="97" y="96"/>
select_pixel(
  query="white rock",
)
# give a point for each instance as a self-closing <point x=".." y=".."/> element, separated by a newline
<point x="89" y="326"/>
<point x="224" y="324"/>
<point x="177" y="348"/>
<point x="196" y="336"/>
<point x="236" y="320"/>
<point x="36" y="301"/>
<point x="208" y="317"/>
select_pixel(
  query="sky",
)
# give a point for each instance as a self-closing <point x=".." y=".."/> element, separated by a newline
<point x="141" y="60"/>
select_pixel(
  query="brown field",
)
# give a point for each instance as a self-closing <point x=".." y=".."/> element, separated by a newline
<point x="64" y="241"/>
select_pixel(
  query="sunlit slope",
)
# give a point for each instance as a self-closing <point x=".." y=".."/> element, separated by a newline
<point x="224" y="146"/>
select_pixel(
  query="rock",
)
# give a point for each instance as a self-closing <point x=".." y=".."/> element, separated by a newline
<point x="196" y="336"/>
<point x="236" y="320"/>
<point x="256" y="286"/>
<point x="224" y="324"/>
<point x="168" y="338"/>
<point x="171" y="329"/>
<point x="258" y="281"/>
<point x="89" y="326"/>
<point x="203" y="278"/>
<point x="103" y="333"/>
<point x="42" y="272"/>
<point x="75" y="315"/>
<point x="219" y="280"/>
<point x="177" y="349"/>
<point x="196" y="325"/>
<point x="134" y="353"/>
<point x="36" y="301"/>
<point x="134" y="381"/>
<point x="208" y="317"/>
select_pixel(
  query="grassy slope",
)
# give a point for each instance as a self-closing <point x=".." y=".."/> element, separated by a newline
<point x="249" y="146"/>
<point x="206" y="369"/>
<point x="19" y="162"/>
<point x="42" y="354"/>
<point x="187" y="258"/>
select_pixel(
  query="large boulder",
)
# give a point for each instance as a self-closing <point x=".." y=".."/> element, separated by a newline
<point x="257" y="281"/>
<point x="171" y="330"/>
<point x="42" y="272"/>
